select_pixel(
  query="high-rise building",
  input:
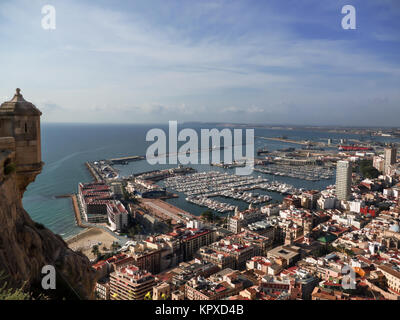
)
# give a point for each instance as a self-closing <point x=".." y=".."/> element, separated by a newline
<point x="378" y="163"/>
<point x="130" y="283"/>
<point x="390" y="157"/>
<point x="343" y="180"/>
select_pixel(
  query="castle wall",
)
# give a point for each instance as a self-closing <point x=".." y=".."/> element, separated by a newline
<point x="26" y="246"/>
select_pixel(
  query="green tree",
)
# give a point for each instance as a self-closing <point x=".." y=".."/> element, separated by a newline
<point x="131" y="232"/>
<point x="367" y="169"/>
<point x="10" y="293"/>
<point x="208" y="215"/>
<point x="115" y="246"/>
<point x="95" y="250"/>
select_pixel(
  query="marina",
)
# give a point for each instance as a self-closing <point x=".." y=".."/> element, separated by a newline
<point x="58" y="213"/>
<point x="200" y="187"/>
<point x="306" y="172"/>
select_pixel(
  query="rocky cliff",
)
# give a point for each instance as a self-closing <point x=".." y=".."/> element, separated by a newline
<point x="26" y="246"/>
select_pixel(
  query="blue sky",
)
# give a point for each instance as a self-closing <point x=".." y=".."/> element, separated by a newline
<point x="274" y="61"/>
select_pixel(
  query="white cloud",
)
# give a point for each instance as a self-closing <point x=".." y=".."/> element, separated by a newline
<point x="105" y="61"/>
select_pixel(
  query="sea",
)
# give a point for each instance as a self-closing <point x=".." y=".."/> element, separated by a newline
<point x="66" y="148"/>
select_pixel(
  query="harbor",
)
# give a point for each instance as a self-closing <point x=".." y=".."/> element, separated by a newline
<point x="306" y="172"/>
<point x="200" y="188"/>
<point x="285" y="139"/>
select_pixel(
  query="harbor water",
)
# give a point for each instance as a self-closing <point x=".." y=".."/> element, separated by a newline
<point x="66" y="148"/>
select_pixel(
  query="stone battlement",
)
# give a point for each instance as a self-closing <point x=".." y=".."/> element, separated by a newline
<point x="7" y="143"/>
<point x="20" y="133"/>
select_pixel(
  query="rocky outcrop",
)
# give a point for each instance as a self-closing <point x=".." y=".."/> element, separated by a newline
<point x="26" y="246"/>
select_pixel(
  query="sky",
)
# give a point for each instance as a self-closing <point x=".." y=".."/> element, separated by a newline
<point x="253" y="61"/>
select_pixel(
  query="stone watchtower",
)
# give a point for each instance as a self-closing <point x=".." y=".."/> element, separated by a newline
<point x="20" y="127"/>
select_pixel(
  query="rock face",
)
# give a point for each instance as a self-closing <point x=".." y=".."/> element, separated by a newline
<point x="26" y="246"/>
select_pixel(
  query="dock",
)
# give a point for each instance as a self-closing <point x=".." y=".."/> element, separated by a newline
<point x="93" y="172"/>
<point x="126" y="159"/>
<point x="77" y="211"/>
<point x="166" y="211"/>
<point x="285" y="140"/>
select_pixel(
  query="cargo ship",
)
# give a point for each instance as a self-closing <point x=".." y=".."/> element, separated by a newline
<point x="261" y="152"/>
<point x="353" y="148"/>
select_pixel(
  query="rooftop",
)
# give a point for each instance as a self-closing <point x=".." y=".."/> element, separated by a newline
<point x="19" y="106"/>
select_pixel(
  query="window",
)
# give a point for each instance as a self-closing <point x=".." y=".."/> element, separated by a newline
<point x="26" y="127"/>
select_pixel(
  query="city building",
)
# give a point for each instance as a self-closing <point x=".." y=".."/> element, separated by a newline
<point x="243" y="218"/>
<point x="94" y="199"/>
<point x="266" y="266"/>
<point x="392" y="277"/>
<point x="208" y="289"/>
<point x="309" y="199"/>
<point x="219" y="258"/>
<point x="343" y="180"/>
<point x="290" y="254"/>
<point x="378" y="163"/>
<point x="162" y="291"/>
<point x="102" y="290"/>
<point x="178" y="295"/>
<point x="328" y="294"/>
<point x="188" y="270"/>
<point x="117" y="216"/>
<point x="105" y="267"/>
<point x="130" y="283"/>
<point x="236" y="250"/>
<point x="390" y="158"/>
<point x="98" y="206"/>
<point x="326" y="202"/>
<point x="146" y="255"/>
<point x="192" y="239"/>
<point x="145" y="189"/>
<point x="263" y="227"/>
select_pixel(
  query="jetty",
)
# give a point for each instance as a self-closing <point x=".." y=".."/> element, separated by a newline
<point x="93" y="172"/>
<point x="285" y="140"/>
<point x="124" y="160"/>
<point x="77" y="212"/>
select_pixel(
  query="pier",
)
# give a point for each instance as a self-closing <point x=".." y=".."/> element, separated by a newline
<point x="93" y="172"/>
<point x="123" y="160"/>
<point x="285" y="140"/>
<point x="77" y="212"/>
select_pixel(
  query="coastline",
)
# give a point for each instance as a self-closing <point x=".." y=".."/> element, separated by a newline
<point x="77" y="212"/>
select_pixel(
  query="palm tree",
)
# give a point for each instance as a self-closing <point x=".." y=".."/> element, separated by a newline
<point x="95" y="250"/>
<point x="114" y="246"/>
